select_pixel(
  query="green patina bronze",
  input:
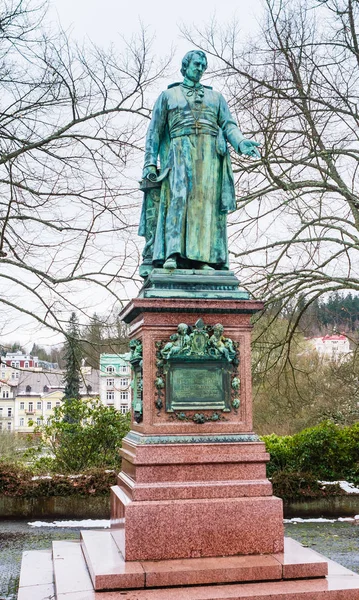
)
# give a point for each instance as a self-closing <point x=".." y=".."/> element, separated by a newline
<point x="186" y="203"/>
<point x="136" y="361"/>
<point x="198" y="385"/>
<point x="141" y="439"/>
<point x="197" y="370"/>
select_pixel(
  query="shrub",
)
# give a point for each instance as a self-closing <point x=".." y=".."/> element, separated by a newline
<point x="16" y="482"/>
<point x="296" y="486"/>
<point x="326" y="451"/>
<point x="85" y="434"/>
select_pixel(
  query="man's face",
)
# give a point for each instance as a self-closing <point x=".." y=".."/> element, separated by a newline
<point x="196" y="68"/>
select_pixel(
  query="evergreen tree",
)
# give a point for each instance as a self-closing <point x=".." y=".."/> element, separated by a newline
<point x="73" y="358"/>
<point x="93" y="344"/>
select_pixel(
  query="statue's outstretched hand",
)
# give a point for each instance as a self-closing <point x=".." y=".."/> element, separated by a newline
<point x="249" y="148"/>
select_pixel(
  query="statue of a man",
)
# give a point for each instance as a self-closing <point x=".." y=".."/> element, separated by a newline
<point x="189" y="130"/>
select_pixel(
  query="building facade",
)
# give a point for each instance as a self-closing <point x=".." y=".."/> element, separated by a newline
<point x="39" y="393"/>
<point x="30" y="390"/>
<point x="18" y="360"/>
<point x="334" y="346"/>
<point x="7" y="405"/>
<point x="115" y="381"/>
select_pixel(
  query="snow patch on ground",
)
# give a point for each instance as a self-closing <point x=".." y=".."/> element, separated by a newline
<point x="103" y="523"/>
<point x="322" y="520"/>
<point x="318" y="520"/>
<point x="347" y="487"/>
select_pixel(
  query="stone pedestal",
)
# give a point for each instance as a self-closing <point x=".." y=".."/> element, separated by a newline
<point x="193" y="516"/>
<point x="193" y="489"/>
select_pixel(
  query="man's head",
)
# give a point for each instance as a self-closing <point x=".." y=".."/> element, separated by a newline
<point x="194" y="64"/>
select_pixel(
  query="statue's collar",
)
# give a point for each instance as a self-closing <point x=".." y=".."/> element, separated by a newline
<point x="187" y="83"/>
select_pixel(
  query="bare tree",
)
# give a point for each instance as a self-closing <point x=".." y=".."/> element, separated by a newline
<point x="296" y="89"/>
<point x="71" y="123"/>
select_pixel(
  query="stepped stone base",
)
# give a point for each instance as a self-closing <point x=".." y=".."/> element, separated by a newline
<point x="95" y="570"/>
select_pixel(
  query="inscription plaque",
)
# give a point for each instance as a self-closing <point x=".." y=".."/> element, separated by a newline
<point x="198" y="386"/>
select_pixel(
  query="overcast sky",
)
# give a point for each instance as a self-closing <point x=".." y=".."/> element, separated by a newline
<point x="104" y="21"/>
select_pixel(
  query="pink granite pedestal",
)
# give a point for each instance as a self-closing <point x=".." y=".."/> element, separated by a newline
<point x="189" y="490"/>
<point x="193" y="516"/>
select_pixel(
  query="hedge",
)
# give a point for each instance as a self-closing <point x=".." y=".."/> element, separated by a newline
<point x="15" y="481"/>
<point x="326" y="452"/>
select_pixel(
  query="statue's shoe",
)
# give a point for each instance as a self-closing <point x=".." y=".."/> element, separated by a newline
<point x="170" y="263"/>
<point x="206" y="267"/>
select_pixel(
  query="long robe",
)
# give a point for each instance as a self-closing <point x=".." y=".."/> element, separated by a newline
<point x="197" y="191"/>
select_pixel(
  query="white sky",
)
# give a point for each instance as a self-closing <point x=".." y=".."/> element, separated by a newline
<point x="105" y="22"/>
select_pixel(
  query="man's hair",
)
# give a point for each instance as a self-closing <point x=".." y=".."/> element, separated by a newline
<point x="188" y="57"/>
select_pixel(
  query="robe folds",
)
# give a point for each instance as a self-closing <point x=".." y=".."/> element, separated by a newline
<point x="197" y="192"/>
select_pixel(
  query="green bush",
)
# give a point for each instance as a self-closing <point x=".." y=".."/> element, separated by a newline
<point x="327" y="452"/>
<point x="84" y="434"/>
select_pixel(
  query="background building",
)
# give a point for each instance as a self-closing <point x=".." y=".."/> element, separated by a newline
<point x="7" y="405"/>
<point x="115" y="381"/>
<point x="331" y="346"/>
<point x="31" y="389"/>
<point x="40" y="392"/>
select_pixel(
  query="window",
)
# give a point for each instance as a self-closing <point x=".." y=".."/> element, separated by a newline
<point x="22" y="405"/>
<point x="5" y="394"/>
<point x="39" y="405"/>
<point x="58" y="403"/>
<point x="31" y="406"/>
<point x="17" y="365"/>
<point x="13" y="363"/>
<point x="110" y="369"/>
<point x="89" y="389"/>
<point x="124" y="382"/>
<point x="38" y="421"/>
<point x="28" y="389"/>
<point x="0" y="426"/>
<point x="21" y="421"/>
<point x="9" y="426"/>
<point x="48" y="405"/>
<point x="110" y="382"/>
<point x="13" y="374"/>
<point x="0" y="411"/>
<point x="17" y="375"/>
<point x="45" y="389"/>
<point x="124" y="369"/>
<point x="123" y="395"/>
<point x="9" y="412"/>
<point x="3" y="374"/>
<point x="30" y="423"/>
<point x="26" y="364"/>
<point x="110" y="396"/>
<point x="124" y="409"/>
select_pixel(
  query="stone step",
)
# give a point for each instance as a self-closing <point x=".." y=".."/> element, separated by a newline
<point x="70" y="570"/>
<point x="336" y="587"/>
<point x="73" y="582"/>
<point x="108" y="569"/>
<point x="36" y="576"/>
<point x="106" y="564"/>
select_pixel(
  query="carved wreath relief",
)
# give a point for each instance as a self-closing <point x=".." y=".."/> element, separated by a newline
<point x="197" y="369"/>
